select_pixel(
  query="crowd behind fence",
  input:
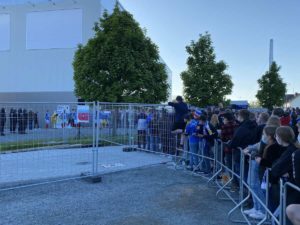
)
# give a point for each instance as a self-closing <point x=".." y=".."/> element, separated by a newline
<point x="252" y="159"/>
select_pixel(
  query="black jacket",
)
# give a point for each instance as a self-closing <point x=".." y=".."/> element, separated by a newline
<point x="296" y="168"/>
<point x="283" y="165"/>
<point x="259" y="132"/>
<point x="244" y="135"/>
<point x="181" y="109"/>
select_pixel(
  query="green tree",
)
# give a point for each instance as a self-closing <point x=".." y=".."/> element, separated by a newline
<point x="120" y="64"/>
<point x="272" y="89"/>
<point x="205" y="81"/>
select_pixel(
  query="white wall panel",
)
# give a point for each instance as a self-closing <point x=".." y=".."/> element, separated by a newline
<point x="54" y="29"/>
<point x="4" y="32"/>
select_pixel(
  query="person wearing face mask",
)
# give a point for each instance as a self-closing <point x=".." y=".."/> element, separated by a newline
<point x="258" y="164"/>
<point x="270" y="155"/>
<point x="285" y="137"/>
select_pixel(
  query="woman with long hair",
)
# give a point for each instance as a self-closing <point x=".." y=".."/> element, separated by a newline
<point x="215" y="121"/>
<point x="283" y="168"/>
<point x="269" y="156"/>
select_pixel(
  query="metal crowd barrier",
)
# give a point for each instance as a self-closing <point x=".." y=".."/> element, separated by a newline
<point x="245" y="192"/>
<point x="284" y="188"/>
<point x="116" y="124"/>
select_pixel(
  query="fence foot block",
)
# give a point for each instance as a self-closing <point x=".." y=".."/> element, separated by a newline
<point x="93" y="179"/>
<point x="129" y="149"/>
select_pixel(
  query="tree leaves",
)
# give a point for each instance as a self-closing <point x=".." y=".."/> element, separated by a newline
<point x="272" y="89"/>
<point x="120" y="64"/>
<point x="205" y="81"/>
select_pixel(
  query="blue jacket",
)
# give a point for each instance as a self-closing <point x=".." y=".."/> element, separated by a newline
<point x="191" y="130"/>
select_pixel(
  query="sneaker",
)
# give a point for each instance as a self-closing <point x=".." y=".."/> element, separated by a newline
<point x="178" y="131"/>
<point x="257" y="215"/>
<point x="199" y="171"/>
<point x="249" y="211"/>
<point x="233" y="187"/>
<point x="189" y="168"/>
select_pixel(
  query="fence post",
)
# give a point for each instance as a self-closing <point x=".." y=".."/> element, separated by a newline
<point x="130" y="126"/>
<point x="242" y="161"/>
<point x="284" y="204"/>
<point x="281" y="201"/>
<point x="94" y="145"/>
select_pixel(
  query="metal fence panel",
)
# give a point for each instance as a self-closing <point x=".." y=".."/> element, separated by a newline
<point x="131" y="131"/>
<point x="42" y="141"/>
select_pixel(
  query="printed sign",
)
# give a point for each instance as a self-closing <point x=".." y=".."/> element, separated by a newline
<point x="83" y="114"/>
<point x="63" y="109"/>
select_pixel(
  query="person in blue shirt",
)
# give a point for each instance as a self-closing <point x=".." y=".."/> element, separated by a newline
<point x="191" y="131"/>
<point x="47" y="119"/>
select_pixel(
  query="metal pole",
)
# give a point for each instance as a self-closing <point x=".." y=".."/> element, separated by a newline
<point x="281" y="201"/>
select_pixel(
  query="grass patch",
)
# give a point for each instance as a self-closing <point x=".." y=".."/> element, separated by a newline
<point x="58" y="143"/>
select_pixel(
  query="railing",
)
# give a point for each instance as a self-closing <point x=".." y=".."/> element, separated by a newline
<point x="112" y="124"/>
<point x="278" y="217"/>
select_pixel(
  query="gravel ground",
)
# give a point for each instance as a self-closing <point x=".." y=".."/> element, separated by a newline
<point x="155" y="195"/>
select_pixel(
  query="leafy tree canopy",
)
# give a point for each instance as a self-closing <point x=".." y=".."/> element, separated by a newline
<point x="272" y="89"/>
<point x="120" y="63"/>
<point x="205" y="80"/>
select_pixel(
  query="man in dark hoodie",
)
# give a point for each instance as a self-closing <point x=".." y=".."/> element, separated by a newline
<point x="181" y="109"/>
<point x="244" y="136"/>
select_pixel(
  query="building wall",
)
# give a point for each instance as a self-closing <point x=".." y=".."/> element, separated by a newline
<point x="38" y="97"/>
<point x="23" y="70"/>
<point x="295" y="102"/>
<point x="25" y="73"/>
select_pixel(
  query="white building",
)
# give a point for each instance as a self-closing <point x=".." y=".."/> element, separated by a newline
<point x="37" y="45"/>
<point x="294" y="101"/>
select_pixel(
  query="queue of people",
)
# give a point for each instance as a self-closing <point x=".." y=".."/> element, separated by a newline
<point x="271" y="146"/>
<point x="18" y="120"/>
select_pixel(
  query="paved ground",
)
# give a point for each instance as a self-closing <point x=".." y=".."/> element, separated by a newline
<point x="56" y="134"/>
<point x="56" y="163"/>
<point x="156" y="195"/>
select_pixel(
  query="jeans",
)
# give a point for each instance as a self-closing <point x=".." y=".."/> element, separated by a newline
<point x="206" y="152"/>
<point x="185" y="148"/>
<point x="228" y="160"/>
<point x="194" y="159"/>
<point x="148" y="139"/>
<point x="154" y="143"/>
<point x="142" y="139"/>
<point x="30" y="124"/>
<point x="254" y="183"/>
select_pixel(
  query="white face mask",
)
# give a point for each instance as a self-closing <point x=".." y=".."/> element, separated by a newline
<point x="298" y="138"/>
<point x="264" y="139"/>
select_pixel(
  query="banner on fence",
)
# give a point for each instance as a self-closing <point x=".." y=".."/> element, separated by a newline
<point x="83" y="114"/>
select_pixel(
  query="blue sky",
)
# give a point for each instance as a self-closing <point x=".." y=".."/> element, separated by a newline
<point x="240" y="29"/>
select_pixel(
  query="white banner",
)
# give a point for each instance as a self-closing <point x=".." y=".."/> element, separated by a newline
<point x="83" y="114"/>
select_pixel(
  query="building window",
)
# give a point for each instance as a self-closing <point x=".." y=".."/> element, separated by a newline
<point x="4" y="32"/>
<point x="54" y="29"/>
